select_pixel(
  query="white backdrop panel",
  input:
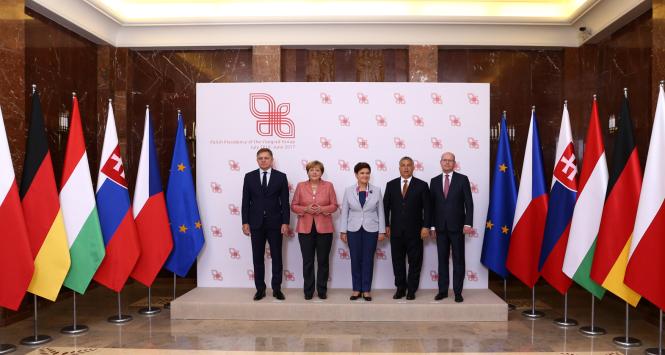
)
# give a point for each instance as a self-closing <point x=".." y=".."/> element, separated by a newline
<point x="339" y="124"/>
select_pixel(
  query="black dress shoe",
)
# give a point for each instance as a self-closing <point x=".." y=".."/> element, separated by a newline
<point x="323" y="296"/>
<point x="439" y="296"/>
<point x="367" y="298"/>
<point x="459" y="298"/>
<point x="259" y="294"/>
<point x="399" y="293"/>
<point x="411" y="296"/>
<point x="278" y="295"/>
<point x="354" y="297"/>
<point x="308" y="297"/>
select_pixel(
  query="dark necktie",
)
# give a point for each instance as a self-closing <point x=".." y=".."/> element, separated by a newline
<point x="446" y="186"/>
<point x="264" y="181"/>
<point x="405" y="187"/>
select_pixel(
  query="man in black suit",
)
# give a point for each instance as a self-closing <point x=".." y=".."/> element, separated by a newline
<point x="265" y="217"/>
<point x="407" y="208"/>
<point x="452" y="208"/>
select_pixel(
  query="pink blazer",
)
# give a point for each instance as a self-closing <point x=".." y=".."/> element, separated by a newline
<point x="324" y="197"/>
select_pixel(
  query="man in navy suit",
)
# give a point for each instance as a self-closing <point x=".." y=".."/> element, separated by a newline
<point x="452" y="218"/>
<point x="265" y="217"/>
<point x="407" y="208"/>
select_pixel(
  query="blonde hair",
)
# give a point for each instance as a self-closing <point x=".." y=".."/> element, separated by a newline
<point x="313" y="164"/>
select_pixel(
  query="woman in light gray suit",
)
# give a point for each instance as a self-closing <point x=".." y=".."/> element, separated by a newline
<point x="362" y="224"/>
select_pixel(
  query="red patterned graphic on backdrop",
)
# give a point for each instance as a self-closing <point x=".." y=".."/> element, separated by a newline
<point x="473" y="99"/>
<point x="471" y="276"/>
<point x="362" y="98"/>
<point x="216" y="275"/>
<point x="234" y="165"/>
<point x="399" y="143"/>
<point x="381" y="121"/>
<point x="458" y="166"/>
<point x="418" y="165"/>
<point x="289" y="276"/>
<point x="433" y="275"/>
<point x="436" y="143"/>
<point x="474" y="188"/>
<point x="343" y="254"/>
<point x="326" y="99"/>
<point x="344" y="121"/>
<point x="418" y="121"/>
<point x="343" y="165"/>
<point x="399" y="98"/>
<point x="250" y="274"/>
<point x="362" y="143"/>
<point x="234" y="210"/>
<point x="436" y="98"/>
<point x="325" y="143"/>
<point x="216" y="231"/>
<point x="380" y="165"/>
<point x="380" y="254"/>
<point x="234" y="253"/>
<point x="303" y="163"/>
<point x="455" y="121"/>
<point x="215" y="187"/>
<point x="274" y="120"/>
<point x="473" y="143"/>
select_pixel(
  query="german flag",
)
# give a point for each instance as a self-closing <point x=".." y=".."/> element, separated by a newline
<point x="41" y="207"/>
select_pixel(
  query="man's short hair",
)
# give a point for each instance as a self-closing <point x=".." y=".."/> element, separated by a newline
<point x="264" y="150"/>
<point x="406" y="158"/>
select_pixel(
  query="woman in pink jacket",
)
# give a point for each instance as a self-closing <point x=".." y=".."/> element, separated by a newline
<point x="314" y="202"/>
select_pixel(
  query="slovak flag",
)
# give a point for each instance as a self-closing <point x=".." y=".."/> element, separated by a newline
<point x="152" y="220"/>
<point x="530" y="212"/>
<point x="115" y="214"/>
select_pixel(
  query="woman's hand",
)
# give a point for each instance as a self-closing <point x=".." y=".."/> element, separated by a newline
<point x="343" y="237"/>
<point x="382" y="236"/>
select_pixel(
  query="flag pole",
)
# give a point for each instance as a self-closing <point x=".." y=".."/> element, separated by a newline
<point x="150" y="310"/>
<point x="120" y="318"/>
<point x="35" y="339"/>
<point x="659" y="350"/>
<point x="168" y="304"/>
<point x="533" y="313"/>
<point x="627" y="341"/>
<point x="511" y="307"/>
<point x="592" y="330"/>
<point x="74" y="328"/>
<point x="565" y="321"/>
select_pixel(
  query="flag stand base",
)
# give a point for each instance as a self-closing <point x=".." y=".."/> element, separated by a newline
<point x="592" y="331"/>
<point x="649" y="351"/>
<point x="74" y="329"/>
<point x="120" y="318"/>
<point x="36" y="340"/>
<point x="563" y="322"/>
<point x="628" y="342"/>
<point x="533" y="314"/>
<point x="150" y="310"/>
<point x="7" y="348"/>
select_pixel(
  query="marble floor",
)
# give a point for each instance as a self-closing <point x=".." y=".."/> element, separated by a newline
<point x="519" y="334"/>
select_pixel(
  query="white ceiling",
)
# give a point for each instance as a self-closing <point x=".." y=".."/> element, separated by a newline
<point x="218" y="23"/>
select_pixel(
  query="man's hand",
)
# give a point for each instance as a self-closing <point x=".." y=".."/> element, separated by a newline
<point x="343" y="237"/>
<point x="285" y="230"/>
<point x="424" y="233"/>
<point x="382" y="236"/>
<point x="468" y="230"/>
<point x="245" y="229"/>
<point x="387" y="232"/>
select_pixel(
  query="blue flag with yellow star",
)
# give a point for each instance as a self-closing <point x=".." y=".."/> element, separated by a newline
<point x="183" y="209"/>
<point x="503" y="198"/>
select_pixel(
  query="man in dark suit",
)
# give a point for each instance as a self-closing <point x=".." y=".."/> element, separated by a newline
<point x="265" y="217"/>
<point x="407" y="208"/>
<point x="452" y="208"/>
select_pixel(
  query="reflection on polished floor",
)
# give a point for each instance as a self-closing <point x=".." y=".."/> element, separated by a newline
<point x="247" y="337"/>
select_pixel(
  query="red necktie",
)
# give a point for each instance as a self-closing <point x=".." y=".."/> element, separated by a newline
<point x="446" y="186"/>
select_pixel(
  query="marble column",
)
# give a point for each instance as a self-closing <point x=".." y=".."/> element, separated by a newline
<point x="423" y="63"/>
<point x="266" y="63"/>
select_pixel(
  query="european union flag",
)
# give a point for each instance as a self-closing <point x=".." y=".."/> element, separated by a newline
<point x="183" y="210"/>
<point x="503" y="198"/>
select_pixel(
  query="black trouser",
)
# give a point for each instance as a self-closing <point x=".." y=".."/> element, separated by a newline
<point x="311" y="244"/>
<point x="401" y="246"/>
<point x="274" y="238"/>
<point x="446" y="240"/>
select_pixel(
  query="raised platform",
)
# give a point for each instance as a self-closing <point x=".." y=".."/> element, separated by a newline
<point x="237" y="303"/>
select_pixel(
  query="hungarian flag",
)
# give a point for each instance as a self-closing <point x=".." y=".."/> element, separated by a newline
<point x="530" y="212"/>
<point x="588" y="209"/>
<point x="618" y="219"/>
<point x="41" y="208"/>
<point x="183" y="210"/>
<point x="152" y="220"/>
<point x="503" y="197"/>
<point x="563" y="193"/>
<point x="77" y="196"/>
<point x="115" y="214"/>
<point x="645" y="272"/>
<point x="15" y="255"/>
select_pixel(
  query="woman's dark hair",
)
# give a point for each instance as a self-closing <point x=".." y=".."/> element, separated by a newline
<point x="360" y="166"/>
